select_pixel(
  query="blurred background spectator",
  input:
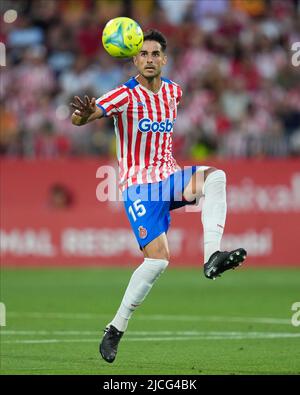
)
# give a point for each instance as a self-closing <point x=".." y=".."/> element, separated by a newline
<point x="60" y="197"/>
<point x="232" y="58"/>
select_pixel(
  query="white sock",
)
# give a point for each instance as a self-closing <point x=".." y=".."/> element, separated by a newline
<point x="214" y="212"/>
<point x="138" y="288"/>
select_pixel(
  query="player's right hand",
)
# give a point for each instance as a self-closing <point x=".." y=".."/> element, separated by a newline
<point x="84" y="108"/>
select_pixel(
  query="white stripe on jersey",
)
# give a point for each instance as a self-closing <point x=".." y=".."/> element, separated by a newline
<point x="140" y="156"/>
<point x="154" y="148"/>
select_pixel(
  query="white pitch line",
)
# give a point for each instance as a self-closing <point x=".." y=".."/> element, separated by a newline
<point x="256" y="320"/>
<point x="204" y="336"/>
<point x="135" y="333"/>
<point x="45" y="333"/>
<point x="157" y="317"/>
<point x="79" y="316"/>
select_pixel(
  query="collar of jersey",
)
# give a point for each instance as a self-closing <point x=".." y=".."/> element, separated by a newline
<point x="148" y="90"/>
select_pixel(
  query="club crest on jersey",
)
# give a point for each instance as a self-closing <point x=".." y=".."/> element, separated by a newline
<point x="146" y="125"/>
<point x="142" y="232"/>
<point x="172" y="104"/>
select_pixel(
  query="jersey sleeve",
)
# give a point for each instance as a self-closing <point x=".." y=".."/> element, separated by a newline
<point x="179" y="94"/>
<point x="114" y="101"/>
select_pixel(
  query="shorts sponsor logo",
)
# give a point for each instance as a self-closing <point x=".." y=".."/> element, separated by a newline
<point x="142" y="232"/>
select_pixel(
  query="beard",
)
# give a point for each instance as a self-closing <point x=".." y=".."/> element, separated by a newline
<point x="150" y="74"/>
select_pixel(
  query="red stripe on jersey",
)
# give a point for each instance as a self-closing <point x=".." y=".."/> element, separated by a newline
<point x="115" y="105"/>
<point x="137" y="147"/>
<point x="169" y="151"/>
<point x="166" y="104"/>
<point x="179" y="94"/>
<point x="149" y="136"/>
<point x="109" y="108"/>
<point x="172" y="93"/>
<point x="167" y="111"/>
<point x="121" y="102"/>
<point x="121" y="149"/>
<point x="169" y="140"/>
<point x="129" y="137"/>
<point x="157" y="136"/>
<point x="113" y="96"/>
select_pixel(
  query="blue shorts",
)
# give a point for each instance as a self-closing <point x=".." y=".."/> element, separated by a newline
<point x="148" y="206"/>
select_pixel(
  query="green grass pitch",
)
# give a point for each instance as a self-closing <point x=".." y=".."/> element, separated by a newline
<point x="238" y="324"/>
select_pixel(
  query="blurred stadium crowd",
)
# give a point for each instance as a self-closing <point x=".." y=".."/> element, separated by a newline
<point x="232" y="58"/>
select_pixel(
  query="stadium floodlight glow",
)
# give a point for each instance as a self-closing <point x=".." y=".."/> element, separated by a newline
<point x="10" y="16"/>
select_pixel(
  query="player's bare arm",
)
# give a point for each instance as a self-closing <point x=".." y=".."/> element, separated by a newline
<point x="86" y="110"/>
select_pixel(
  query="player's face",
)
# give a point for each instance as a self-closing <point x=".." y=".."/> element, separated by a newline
<point x="150" y="60"/>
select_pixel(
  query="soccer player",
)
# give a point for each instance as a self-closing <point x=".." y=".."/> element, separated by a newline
<point x="144" y="111"/>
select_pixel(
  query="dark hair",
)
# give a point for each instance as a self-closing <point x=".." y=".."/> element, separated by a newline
<point x="155" y="35"/>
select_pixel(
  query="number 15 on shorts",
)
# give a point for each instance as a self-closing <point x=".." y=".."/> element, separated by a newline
<point x="137" y="209"/>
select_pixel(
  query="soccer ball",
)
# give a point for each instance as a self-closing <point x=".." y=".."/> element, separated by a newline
<point x="122" y="37"/>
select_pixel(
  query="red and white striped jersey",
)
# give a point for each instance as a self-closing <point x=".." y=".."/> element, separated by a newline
<point x="144" y="128"/>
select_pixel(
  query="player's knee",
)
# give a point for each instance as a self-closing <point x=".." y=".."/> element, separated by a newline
<point x="209" y="171"/>
<point x="165" y="255"/>
<point x="160" y="264"/>
<point x="215" y="174"/>
<point x="159" y="253"/>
